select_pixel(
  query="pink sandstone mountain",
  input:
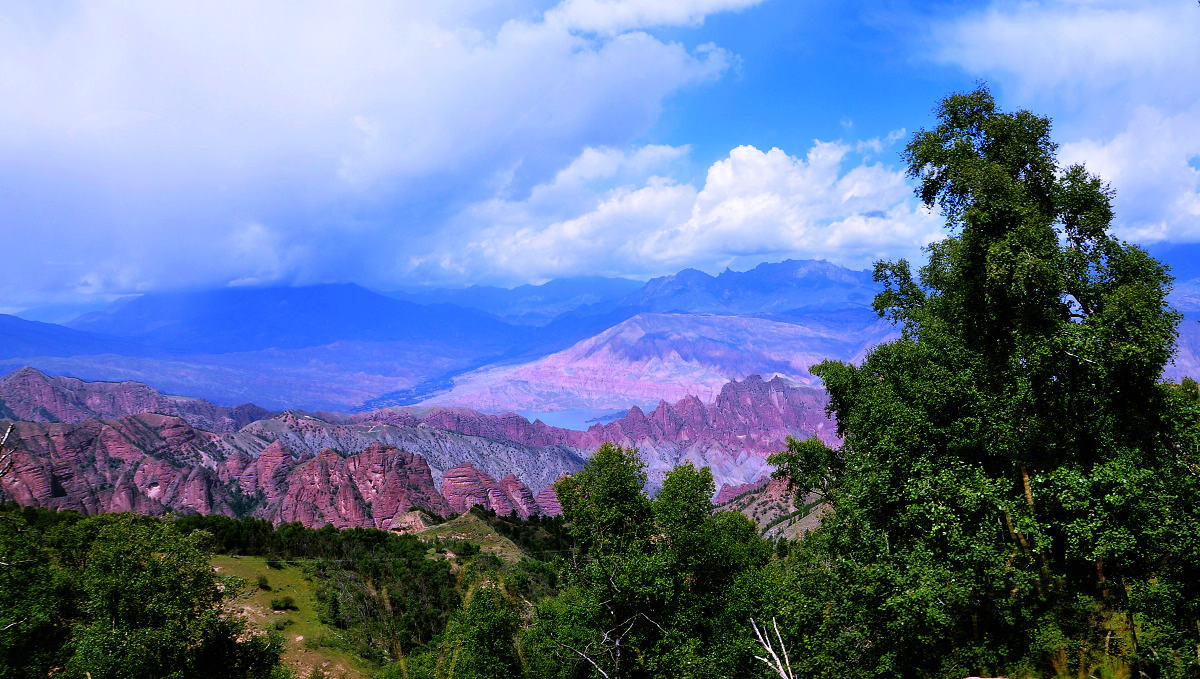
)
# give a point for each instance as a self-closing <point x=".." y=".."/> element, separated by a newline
<point x="154" y="463"/>
<point x="547" y="499"/>
<point x="662" y="356"/>
<point x="30" y="395"/>
<point x="372" y="488"/>
<point x="464" y="487"/>
<point x="535" y="465"/>
<point x="369" y="469"/>
<point x="746" y="422"/>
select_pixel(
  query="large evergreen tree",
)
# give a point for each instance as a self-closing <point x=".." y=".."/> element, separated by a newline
<point x="1016" y="490"/>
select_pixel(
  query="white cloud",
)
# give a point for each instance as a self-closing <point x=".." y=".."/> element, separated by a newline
<point x="1148" y="164"/>
<point x="612" y="16"/>
<point x="133" y="135"/>
<point x="754" y="205"/>
<point x="1122" y="81"/>
<point x="1080" y="50"/>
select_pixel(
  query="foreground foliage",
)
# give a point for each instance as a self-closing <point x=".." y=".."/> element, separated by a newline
<point x="118" y="596"/>
<point x="1016" y="491"/>
<point x="652" y="590"/>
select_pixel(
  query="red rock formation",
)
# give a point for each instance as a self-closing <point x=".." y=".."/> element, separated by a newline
<point x="32" y="396"/>
<point x="749" y="420"/>
<point x="464" y="487"/>
<point x="151" y="464"/>
<point x="729" y="492"/>
<point x="368" y="489"/>
<point x="752" y="415"/>
<point x="520" y="496"/>
<point x="146" y="463"/>
<point x="547" y="499"/>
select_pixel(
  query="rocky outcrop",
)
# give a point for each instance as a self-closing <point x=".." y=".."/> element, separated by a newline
<point x="520" y="496"/>
<point x="728" y="492"/>
<point x="464" y="487"/>
<point x="748" y="420"/>
<point x="772" y="507"/>
<point x="305" y="434"/>
<point x="145" y="463"/>
<point x="371" y="489"/>
<point x="33" y="396"/>
<point x="152" y="464"/>
<point x="547" y="499"/>
<point x="365" y="470"/>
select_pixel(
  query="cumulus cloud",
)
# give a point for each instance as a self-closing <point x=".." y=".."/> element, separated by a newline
<point x="1123" y="80"/>
<point x="611" y="16"/>
<point x="754" y="205"/>
<point x="1152" y="164"/>
<point x="1067" y="48"/>
<point x="138" y="140"/>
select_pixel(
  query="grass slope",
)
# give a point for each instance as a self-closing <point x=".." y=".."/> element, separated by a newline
<point x="473" y="529"/>
<point x="301" y="654"/>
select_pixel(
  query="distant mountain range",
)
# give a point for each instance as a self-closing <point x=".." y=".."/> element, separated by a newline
<point x="370" y="404"/>
<point x="528" y="304"/>
<point x="104" y="447"/>
<point x="583" y="344"/>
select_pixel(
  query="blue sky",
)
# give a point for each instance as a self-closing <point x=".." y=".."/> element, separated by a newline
<point x="158" y="146"/>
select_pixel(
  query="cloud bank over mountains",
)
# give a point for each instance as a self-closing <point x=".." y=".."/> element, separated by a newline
<point x="300" y="137"/>
<point x="614" y="213"/>
<point x="165" y="146"/>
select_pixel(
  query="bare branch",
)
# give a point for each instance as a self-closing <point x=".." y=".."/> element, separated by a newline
<point x="1081" y="358"/>
<point x="584" y="656"/>
<point x="786" y="661"/>
<point x="13" y="624"/>
<point x="781" y="667"/>
<point x="6" y="453"/>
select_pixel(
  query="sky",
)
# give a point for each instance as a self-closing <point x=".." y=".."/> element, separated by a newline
<point x="150" y="146"/>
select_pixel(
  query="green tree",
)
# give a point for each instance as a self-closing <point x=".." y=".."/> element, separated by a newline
<point x="152" y="609"/>
<point x="480" y="642"/>
<point x="32" y="628"/>
<point x="1016" y="490"/>
<point x="648" y="594"/>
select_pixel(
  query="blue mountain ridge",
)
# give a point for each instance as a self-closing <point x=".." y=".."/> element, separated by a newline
<point x="344" y="346"/>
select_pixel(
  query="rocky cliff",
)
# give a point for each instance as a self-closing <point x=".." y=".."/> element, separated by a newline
<point x="145" y="463"/>
<point x="748" y="420"/>
<point x="535" y="465"/>
<point x="152" y="464"/>
<point x="30" y="395"/>
<point x="464" y="487"/>
<point x="366" y="469"/>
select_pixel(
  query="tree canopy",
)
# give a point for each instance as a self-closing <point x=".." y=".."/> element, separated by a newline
<point x="1016" y="490"/>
